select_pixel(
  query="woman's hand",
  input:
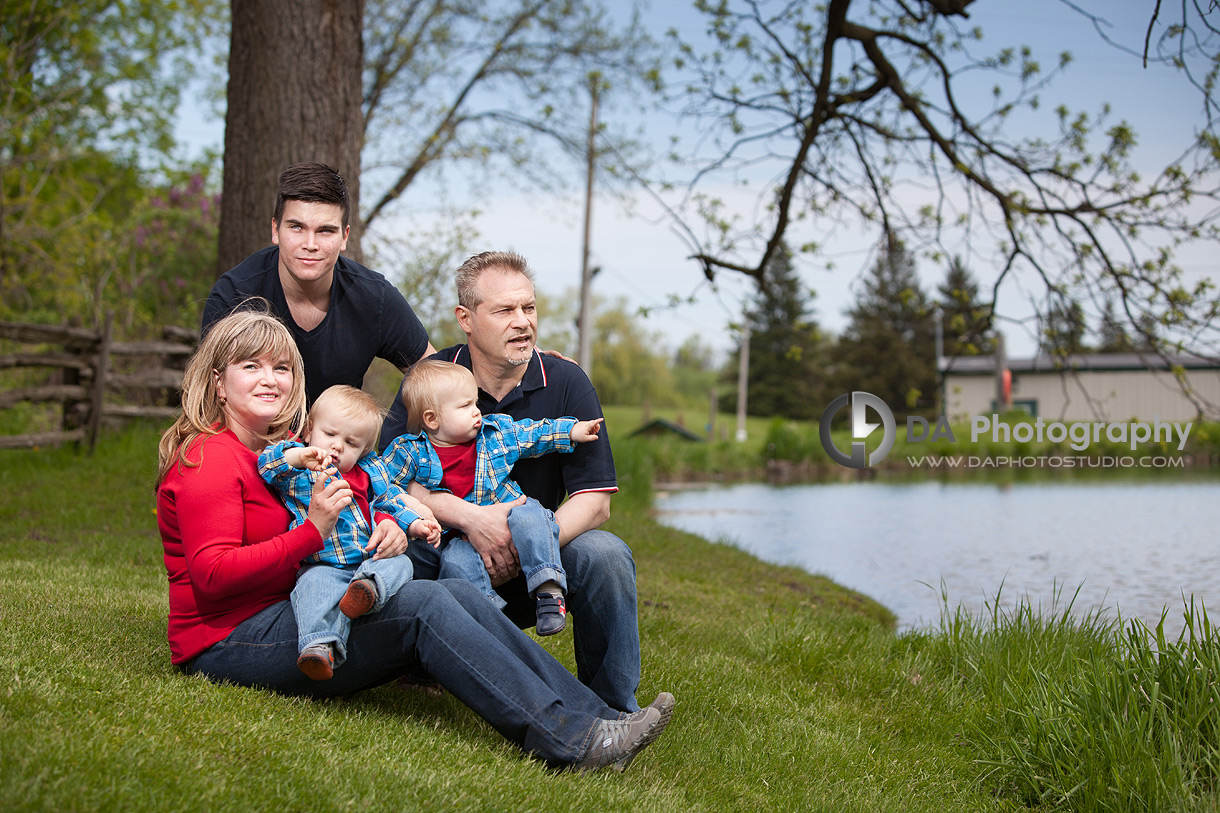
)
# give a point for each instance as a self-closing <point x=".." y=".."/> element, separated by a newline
<point x="388" y="539"/>
<point x="326" y="501"/>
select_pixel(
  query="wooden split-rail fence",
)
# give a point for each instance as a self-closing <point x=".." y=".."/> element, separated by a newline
<point x="99" y="380"/>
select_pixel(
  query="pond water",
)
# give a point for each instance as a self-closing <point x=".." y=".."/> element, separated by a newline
<point x="1131" y="546"/>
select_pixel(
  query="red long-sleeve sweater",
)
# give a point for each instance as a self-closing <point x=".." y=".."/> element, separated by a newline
<point x="228" y="551"/>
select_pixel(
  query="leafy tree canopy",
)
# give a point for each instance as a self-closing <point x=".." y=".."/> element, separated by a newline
<point x="87" y="201"/>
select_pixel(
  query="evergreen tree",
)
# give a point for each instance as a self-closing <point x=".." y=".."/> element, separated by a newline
<point x="889" y="345"/>
<point x="1148" y="329"/>
<point x="844" y="102"/>
<point x="1064" y="329"/>
<point x="1111" y="335"/>
<point x="787" y="356"/>
<point x="966" y="322"/>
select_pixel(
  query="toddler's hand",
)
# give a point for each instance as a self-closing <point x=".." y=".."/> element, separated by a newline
<point x="312" y="458"/>
<point x="585" y="431"/>
<point x="427" y="529"/>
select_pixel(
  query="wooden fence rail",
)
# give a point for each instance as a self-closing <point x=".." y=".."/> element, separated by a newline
<point x="92" y="366"/>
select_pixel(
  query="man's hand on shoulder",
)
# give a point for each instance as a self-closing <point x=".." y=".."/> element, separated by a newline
<point x="555" y="354"/>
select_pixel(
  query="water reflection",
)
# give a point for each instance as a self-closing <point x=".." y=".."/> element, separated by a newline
<point x="1135" y="546"/>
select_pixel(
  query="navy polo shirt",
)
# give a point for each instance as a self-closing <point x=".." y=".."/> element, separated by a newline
<point x="550" y="388"/>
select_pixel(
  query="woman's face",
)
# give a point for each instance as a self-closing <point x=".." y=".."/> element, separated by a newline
<point x="253" y="392"/>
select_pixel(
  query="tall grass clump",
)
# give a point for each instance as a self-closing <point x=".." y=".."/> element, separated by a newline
<point x="1086" y="713"/>
<point x="640" y="461"/>
<point x="635" y="467"/>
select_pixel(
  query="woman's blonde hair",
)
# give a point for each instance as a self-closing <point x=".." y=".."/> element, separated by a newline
<point x="237" y="337"/>
<point x="425" y="384"/>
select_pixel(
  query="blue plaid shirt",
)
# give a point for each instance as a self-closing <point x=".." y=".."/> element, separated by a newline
<point x="345" y="545"/>
<point x="501" y="443"/>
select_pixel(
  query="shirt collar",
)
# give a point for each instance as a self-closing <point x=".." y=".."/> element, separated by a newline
<point x="534" y="378"/>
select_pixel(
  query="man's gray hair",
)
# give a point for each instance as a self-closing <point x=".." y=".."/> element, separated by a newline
<point x="468" y="273"/>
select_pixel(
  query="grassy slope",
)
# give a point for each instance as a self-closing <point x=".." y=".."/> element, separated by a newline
<point x="790" y="694"/>
<point x="793" y="692"/>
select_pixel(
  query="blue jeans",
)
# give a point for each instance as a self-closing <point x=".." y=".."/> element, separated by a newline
<point x="536" y="537"/>
<point x="601" y="598"/>
<point x="315" y="599"/>
<point x="450" y="631"/>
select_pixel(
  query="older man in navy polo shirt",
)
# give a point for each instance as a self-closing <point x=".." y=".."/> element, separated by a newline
<point x="496" y="310"/>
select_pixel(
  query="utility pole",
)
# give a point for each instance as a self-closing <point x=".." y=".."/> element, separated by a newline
<point x="1003" y="378"/>
<point x="940" y="358"/>
<point x="743" y="380"/>
<point x="584" y="355"/>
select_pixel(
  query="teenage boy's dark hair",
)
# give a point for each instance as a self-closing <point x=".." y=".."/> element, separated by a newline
<point x="312" y="183"/>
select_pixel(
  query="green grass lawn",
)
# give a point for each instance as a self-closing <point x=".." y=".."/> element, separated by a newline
<point x="793" y="693"/>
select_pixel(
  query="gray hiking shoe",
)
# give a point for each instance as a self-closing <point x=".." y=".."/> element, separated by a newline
<point x="614" y="739"/>
<point x="664" y="704"/>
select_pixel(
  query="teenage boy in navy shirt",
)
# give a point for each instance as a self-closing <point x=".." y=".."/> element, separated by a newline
<point x="341" y="314"/>
<point x="497" y="312"/>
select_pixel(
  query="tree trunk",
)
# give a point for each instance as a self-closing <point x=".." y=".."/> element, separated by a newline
<point x="294" y="96"/>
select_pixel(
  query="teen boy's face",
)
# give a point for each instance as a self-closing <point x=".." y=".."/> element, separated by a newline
<point x="459" y="418"/>
<point x="310" y="237"/>
<point x="345" y="443"/>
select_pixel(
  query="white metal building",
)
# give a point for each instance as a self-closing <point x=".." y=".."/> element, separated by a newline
<point x="1095" y="387"/>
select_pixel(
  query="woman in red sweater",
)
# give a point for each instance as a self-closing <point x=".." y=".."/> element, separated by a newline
<point x="232" y="562"/>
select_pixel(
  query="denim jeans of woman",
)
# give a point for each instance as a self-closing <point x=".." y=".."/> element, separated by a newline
<point x="454" y="634"/>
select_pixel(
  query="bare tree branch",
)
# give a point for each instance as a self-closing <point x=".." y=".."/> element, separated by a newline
<point x="855" y="108"/>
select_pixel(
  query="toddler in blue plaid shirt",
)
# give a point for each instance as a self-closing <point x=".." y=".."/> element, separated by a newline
<point x="361" y="564"/>
<point x="450" y="445"/>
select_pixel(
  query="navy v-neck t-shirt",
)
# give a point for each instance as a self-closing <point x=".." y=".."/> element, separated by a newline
<point x="368" y="318"/>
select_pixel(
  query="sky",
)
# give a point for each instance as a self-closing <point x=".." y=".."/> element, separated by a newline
<point x="643" y="261"/>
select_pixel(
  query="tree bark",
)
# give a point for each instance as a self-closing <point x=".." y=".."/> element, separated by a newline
<point x="294" y="95"/>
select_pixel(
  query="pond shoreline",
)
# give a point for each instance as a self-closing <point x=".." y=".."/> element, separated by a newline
<point x="784" y="472"/>
<point x="1136" y="542"/>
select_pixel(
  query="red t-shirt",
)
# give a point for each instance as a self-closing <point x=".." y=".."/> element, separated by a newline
<point x="228" y="551"/>
<point x="358" y="479"/>
<point x="457" y="463"/>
